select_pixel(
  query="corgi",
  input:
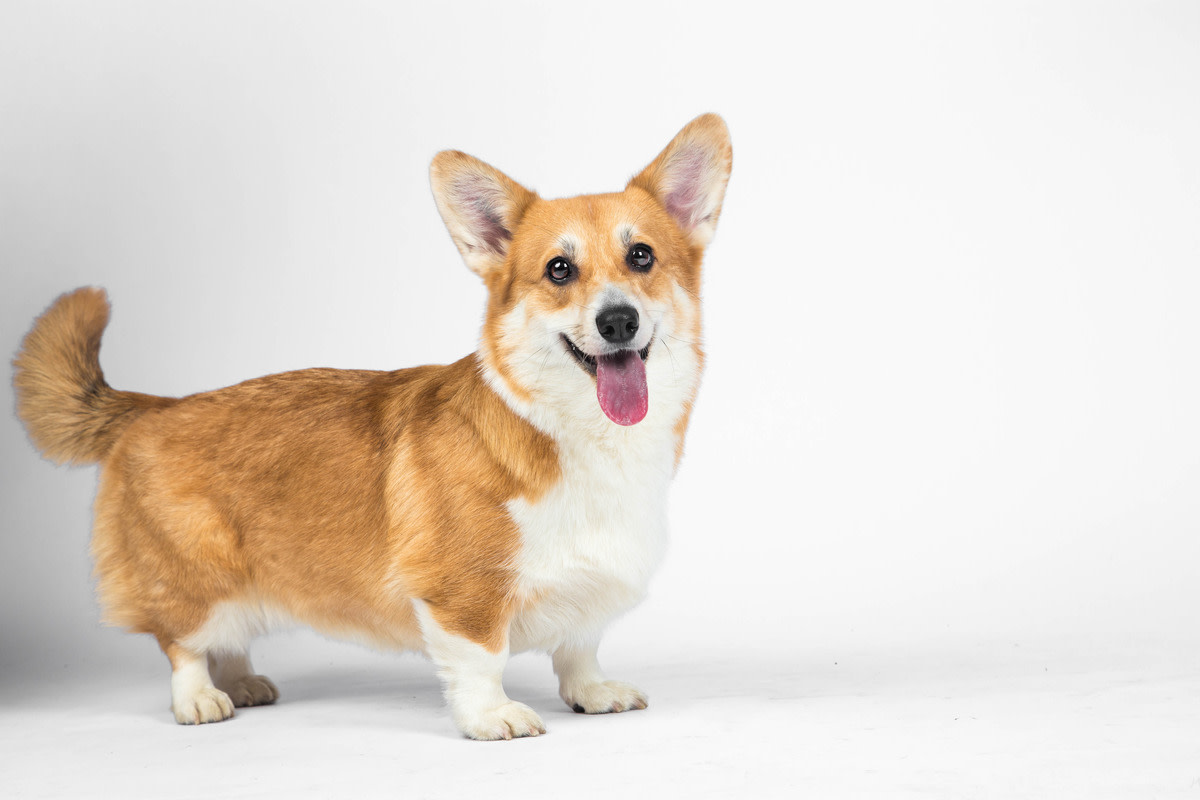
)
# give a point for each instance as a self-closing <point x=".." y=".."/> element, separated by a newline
<point x="514" y="500"/>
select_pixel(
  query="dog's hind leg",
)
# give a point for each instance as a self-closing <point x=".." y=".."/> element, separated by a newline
<point x="233" y="674"/>
<point x="582" y="685"/>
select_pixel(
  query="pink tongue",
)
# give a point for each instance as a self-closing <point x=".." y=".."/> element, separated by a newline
<point x="621" y="387"/>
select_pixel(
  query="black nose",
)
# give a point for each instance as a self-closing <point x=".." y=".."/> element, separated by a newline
<point x="617" y="324"/>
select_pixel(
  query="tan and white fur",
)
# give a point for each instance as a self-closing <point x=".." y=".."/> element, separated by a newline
<point x="513" y="500"/>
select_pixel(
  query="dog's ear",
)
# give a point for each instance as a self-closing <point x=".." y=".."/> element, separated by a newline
<point x="690" y="175"/>
<point x="480" y="205"/>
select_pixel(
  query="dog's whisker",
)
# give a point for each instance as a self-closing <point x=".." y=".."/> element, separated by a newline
<point x="533" y="355"/>
<point x="542" y="368"/>
<point x="671" y="354"/>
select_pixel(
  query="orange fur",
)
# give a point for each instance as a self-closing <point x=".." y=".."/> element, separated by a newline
<point x="329" y="478"/>
<point x="341" y="480"/>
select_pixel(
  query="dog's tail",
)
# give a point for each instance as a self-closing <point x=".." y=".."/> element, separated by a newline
<point x="71" y="413"/>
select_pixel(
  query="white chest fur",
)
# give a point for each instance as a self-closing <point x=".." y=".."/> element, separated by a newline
<point x="591" y="544"/>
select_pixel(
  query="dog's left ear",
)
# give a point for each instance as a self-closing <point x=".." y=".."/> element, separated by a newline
<point x="690" y="175"/>
<point x="480" y="205"/>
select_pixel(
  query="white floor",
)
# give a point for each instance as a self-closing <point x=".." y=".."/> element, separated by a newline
<point x="989" y="719"/>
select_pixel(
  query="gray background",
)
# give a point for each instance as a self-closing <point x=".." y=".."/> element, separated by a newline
<point x="948" y="440"/>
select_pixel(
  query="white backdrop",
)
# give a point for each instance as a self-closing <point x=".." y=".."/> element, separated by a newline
<point x="953" y="393"/>
<point x="951" y="304"/>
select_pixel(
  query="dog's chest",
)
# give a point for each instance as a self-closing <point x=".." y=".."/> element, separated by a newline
<point x="590" y="545"/>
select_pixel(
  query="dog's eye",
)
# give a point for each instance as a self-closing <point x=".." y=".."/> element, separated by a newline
<point x="559" y="270"/>
<point x="640" y="258"/>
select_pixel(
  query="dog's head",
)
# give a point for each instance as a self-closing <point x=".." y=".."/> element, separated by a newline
<point x="593" y="300"/>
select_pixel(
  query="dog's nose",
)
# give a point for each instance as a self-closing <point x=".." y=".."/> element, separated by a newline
<point x="617" y="324"/>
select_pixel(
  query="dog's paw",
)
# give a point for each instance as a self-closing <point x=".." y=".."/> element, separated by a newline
<point x="509" y="721"/>
<point x="205" y="705"/>
<point x="252" y="690"/>
<point x="608" y="697"/>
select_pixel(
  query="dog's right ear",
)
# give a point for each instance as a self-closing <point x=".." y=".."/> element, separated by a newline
<point x="480" y="205"/>
<point x="690" y="175"/>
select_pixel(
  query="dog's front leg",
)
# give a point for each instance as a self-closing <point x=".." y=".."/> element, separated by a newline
<point x="582" y="686"/>
<point x="472" y="674"/>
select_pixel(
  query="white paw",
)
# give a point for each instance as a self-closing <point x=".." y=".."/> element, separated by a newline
<point x="509" y="721"/>
<point x="205" y="705"/>
<point x="252" y="690"/>
<point x="604" y="698"/>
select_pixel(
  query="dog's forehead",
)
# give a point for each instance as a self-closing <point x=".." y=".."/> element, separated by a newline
<point x="589" y="220"/>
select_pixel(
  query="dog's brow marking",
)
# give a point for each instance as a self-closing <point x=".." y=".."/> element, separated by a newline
<point x="568" y="247"/>
<point x="625" y="232"/>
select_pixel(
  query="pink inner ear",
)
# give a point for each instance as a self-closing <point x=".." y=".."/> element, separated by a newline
<point x="477" y="199"/>
<point x="685" y="174"/>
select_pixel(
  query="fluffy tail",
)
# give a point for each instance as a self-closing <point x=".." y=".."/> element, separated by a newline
<point x="71" y="413"/>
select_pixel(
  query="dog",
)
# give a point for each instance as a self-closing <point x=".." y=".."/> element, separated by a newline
<point x="514" y="500"/>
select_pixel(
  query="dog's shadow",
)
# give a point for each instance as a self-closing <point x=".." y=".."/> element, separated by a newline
<point x="407" y="694"/>
<point x="350" y="685"/>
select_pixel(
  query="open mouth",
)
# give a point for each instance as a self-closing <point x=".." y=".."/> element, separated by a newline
<point x="589" y="362"/>
<point x="620" y="377"/>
